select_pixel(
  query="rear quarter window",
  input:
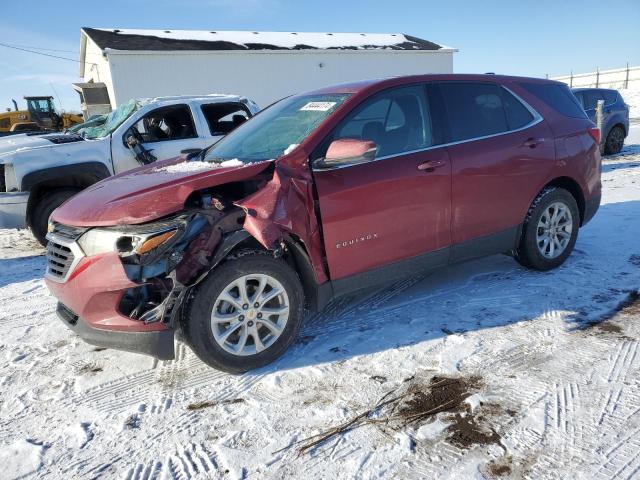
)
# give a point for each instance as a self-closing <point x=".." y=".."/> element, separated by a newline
<point x="474" y="109"/>
<point x="558" y="97"/>
<point x="610" y="97"/>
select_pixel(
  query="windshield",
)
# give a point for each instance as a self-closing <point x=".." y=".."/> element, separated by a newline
<point x="277" y="130"/>
<point x="94" y="121"/>
<point x="113" y="121"/>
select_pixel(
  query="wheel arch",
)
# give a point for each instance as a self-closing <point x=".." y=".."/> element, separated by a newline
<point x="617" y="124"/>
<point x="77" y="176"/>
<point x="294" y="252"/>
<point x="573" y="187"/>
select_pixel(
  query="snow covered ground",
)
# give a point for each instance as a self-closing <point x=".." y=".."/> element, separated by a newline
<point x="551" y="361"/>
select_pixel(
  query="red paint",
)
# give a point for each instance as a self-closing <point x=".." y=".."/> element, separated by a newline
<point x="94" y="292"/>
<point x="144" y="194"/>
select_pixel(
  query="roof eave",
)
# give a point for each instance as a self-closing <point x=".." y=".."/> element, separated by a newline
<point x="111" y="51"/>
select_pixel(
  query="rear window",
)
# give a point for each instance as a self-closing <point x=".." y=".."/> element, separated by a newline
<point x="610" y="97"/>
<point x="477" y="109"/>
<point x="558" y="97"/>
<point x="474" y="109"/>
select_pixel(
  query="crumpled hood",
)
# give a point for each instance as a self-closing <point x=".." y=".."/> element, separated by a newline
<point x="147" y="193"/>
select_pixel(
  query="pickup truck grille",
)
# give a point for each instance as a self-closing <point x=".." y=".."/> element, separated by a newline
<point x="63" y="254"/>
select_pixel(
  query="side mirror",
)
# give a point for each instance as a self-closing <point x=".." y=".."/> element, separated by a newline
<point x="347" y="151"/>
<point x="130" y="140"/>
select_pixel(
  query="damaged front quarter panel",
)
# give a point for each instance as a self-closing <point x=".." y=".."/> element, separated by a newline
<point x="279" y="208"/>
<point x="286" y="206"/>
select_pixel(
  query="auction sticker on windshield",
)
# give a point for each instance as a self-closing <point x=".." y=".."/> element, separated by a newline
<point x="318" y="106"/>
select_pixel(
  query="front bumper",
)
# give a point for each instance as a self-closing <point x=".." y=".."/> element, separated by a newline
<point x="91" y="294"/>
<point x="13" y="209"/>
<point x="158" y="344"/>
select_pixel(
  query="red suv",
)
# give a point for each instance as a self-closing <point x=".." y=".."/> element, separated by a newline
<point x="322" y="194"/>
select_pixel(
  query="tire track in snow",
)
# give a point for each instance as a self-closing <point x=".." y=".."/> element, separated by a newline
<point x="623" y="459"/>
<point x="191" y="461"/>
<point x="158" y="387"/>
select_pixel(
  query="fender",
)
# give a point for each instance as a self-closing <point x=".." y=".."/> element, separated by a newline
<point x="75" y="175"/>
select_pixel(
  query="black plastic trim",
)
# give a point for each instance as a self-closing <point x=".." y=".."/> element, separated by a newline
<point x="591" y="206"/>
<point x="500" y="242"/>
<point x="75" y="175"/>
<point x="388" y="273"/>
<point x="158" y="344"/>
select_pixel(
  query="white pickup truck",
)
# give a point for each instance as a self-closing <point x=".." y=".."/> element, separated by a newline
<point x="39" y="172"/>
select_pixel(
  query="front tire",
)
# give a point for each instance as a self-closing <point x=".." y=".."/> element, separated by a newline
<point x="246" y="313"/>
<point x="43" y="209"/>
<point x="614" y="141"/>
<point x="550" y="230"/>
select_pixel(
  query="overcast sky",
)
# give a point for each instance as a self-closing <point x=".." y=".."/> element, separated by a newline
<point x="512" y="37"/>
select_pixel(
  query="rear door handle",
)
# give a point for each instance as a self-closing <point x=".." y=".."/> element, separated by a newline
<point x="532" y="142"/>
<point x="430" y="166"/>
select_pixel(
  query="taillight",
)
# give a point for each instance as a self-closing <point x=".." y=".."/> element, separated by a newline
<point x="595" y="133"/>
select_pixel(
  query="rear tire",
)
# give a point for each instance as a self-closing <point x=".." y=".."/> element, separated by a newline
<point x="43" y="209"/>
<point x="550" y="230"/>
<point x="243" y="332"/>
<point x="614" y="141"/>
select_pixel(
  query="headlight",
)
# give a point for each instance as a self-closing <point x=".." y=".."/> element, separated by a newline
<point x="102" y="240"/>
<point x="10" y="182"/>
<point x="99" y="240"/>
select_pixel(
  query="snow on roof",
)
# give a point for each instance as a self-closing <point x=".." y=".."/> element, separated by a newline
<point x="134" y="39"/>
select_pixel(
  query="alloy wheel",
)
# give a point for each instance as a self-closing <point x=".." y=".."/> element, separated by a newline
<point x="250" y="314"/>
<point x="554" y="230"/>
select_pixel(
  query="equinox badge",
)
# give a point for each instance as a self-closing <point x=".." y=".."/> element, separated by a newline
<point x="353" y="241"/>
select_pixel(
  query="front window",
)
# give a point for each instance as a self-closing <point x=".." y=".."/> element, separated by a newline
<point x="113" y="121"/>
<point x="276" y="130"/>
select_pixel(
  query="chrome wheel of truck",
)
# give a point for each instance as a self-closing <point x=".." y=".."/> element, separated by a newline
<point x="250" y="314"/>
<point x="246" y="313"/>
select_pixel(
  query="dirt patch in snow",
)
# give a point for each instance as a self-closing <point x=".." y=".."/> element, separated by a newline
<point x="500" y="467"/>
<point x="443" y="394"/>
<point x="604" y="325"/>
<point x="207" y="403"/>
<point x="88" y="368"/>
<point x="418" y="403"/>
<point x="468" y="430"/>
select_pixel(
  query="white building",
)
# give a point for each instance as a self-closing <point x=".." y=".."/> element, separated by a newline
<point x="263" y="66"/>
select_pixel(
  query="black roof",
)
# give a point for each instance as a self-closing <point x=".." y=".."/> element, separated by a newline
<point x="124" y="39"/>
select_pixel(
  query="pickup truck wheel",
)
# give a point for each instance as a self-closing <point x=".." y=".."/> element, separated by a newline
<point x="246" y="313"/>
<point x="614" y="141"/>
<point x="43" y="209"/>
<point x="550" y="230"/>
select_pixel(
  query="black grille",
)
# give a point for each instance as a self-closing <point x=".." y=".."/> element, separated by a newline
<point x="3" y="185"/>
<point x="59" y="260"/>
<point x="66" y="314"/>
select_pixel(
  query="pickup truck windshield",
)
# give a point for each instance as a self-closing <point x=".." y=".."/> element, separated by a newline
<point x="113" y="121"/>
<point x="276" y="130"/>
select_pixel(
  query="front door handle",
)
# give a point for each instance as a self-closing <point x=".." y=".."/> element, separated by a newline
<point x="532" y="142"/>
<point x="430" y="166"/>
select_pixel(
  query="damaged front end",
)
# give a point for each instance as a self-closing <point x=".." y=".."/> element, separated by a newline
<point x="167" y="257"/>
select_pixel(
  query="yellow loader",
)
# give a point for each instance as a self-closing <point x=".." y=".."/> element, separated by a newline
<point x="40" y="115"/>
